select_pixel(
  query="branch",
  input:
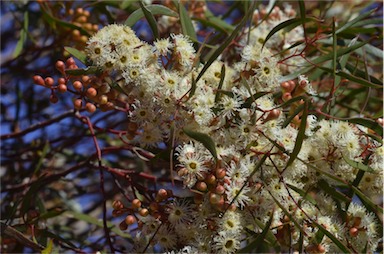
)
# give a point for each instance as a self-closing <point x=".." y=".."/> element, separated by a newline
<point x="20" y="237"/>
<point x="38" y="126"/>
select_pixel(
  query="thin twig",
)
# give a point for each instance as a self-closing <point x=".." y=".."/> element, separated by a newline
<point x="20" y="237"/>
<point x="38" y="126"/>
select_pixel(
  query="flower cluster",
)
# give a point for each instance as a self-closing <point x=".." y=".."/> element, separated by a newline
<point x="234" y="193"/>
<point x="264" y="159"/>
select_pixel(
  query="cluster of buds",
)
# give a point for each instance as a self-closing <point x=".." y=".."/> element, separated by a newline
<point x="156" y="208"/>
<point x="80" y="18"/>
<point x="90" y="91"/>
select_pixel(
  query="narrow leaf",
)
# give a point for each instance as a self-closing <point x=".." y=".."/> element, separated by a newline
<point x="223" y="46"/>
<point x="204" y="139"/>
<point x="155" y="9"/>
<point x="291" y="116"/>
<point x="288" y="24"/>
<point x="368" y="203"/>
<point x="303" y="193"/>
<point x="151" y="20"/>
<point x="255" y="245"/>
<point x="97" y="222"/>
<point x="358" y="165"/>
<point x="248" y="102"/>
<point x="354" y="21"/>
<point x="77" y="53"/>
<point x="336" y="241"/>
<point x="300" y="135"/>
<point x="23" y="36"/>
<point x="288" y="214"/>
<point x="353" y="78"/>
<point x="186" y="23"/>
<point x="369" y="123"/>
<point x="48" y="249"/>
<point x="79" y="72"/>
<point x="333" y="192"/>
<point x="222" y="76"/>
<point x="42" y="157"/>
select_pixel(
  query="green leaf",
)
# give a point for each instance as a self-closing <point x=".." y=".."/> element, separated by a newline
<point x="23" y="36"/>
<point x="223" y="46"/>
<point x="151" y="20"/>
<point x="98" y="222"/>
<point x="248" y="102"/>
<point x="340" y="53"/>
<point x="336" y="241"/>
<point x="258" y="165"/>
<point x="354" y="21"/>
<point x="369" y="123"/>
<point x="255" y="245"/>
<point x="359" y="73"/>
<point x="302" y="17"/>
<point x="287" y="213"/>
<point x="358" y="165"/>
<point x="42" y="157"/>
<point x="49" y="234"/>
<point x="48" y="249"/>
<point x="291" y="116"/>
<point x="222" y="76"/>
<point x="287" y="25"/>
<point x="368" y="203"/>
<point x="53" y="21"/>
<point x="186" y="23"/>
<point x="353" y="78"/>
<point x="155" y="9"/>
<point x="79" y="72"/>
<point x="51" y="214"/>
<point x="77" y="53"/>
<point x="118" y="88"/>
<point x="300" y="135"/>
<point x="203" y="138"/>
<point x="215" y="22"/>
<point x="333" y="192"/>
<point x="193" y="87"/>
<point x="303" y="193"/>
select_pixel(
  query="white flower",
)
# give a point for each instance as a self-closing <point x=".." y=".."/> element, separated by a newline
<point x="179" y="212"/>
<point x="192" y="161"/>
<point x="166" y="238"/>
<point x="236" y="195"/>
<point x="226" y="243"/>
<point x="230" y="105"/>
<point x="162" y="47"/>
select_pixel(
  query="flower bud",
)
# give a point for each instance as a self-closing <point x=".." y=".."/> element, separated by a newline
<point x="214" y="198"/>
<point x="78" y="104"/>
<point x="130" y="219"/>
<point x="220" y="189"/>
<point x="70" y="61"/>
<point x="144" y="212"/>
<point x="48" y="81"/>
<point x="286" y="96"/>
<point x="353" y="232"/>
<point x="136" y="203"/>
<point x="123" y="225"/>
<point x="210" y="179"/>
<point x="38" y="80"/>
<point x="116" y="204"/>
<point x="201" y="186"/>
<point x="77" y="85"/>
<point x="220" y="173"/>
<point x="91" y="92"/>
<point x="60" y="66"/>
<point x="62" y="88"/>
<point x="90" y="107"/>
